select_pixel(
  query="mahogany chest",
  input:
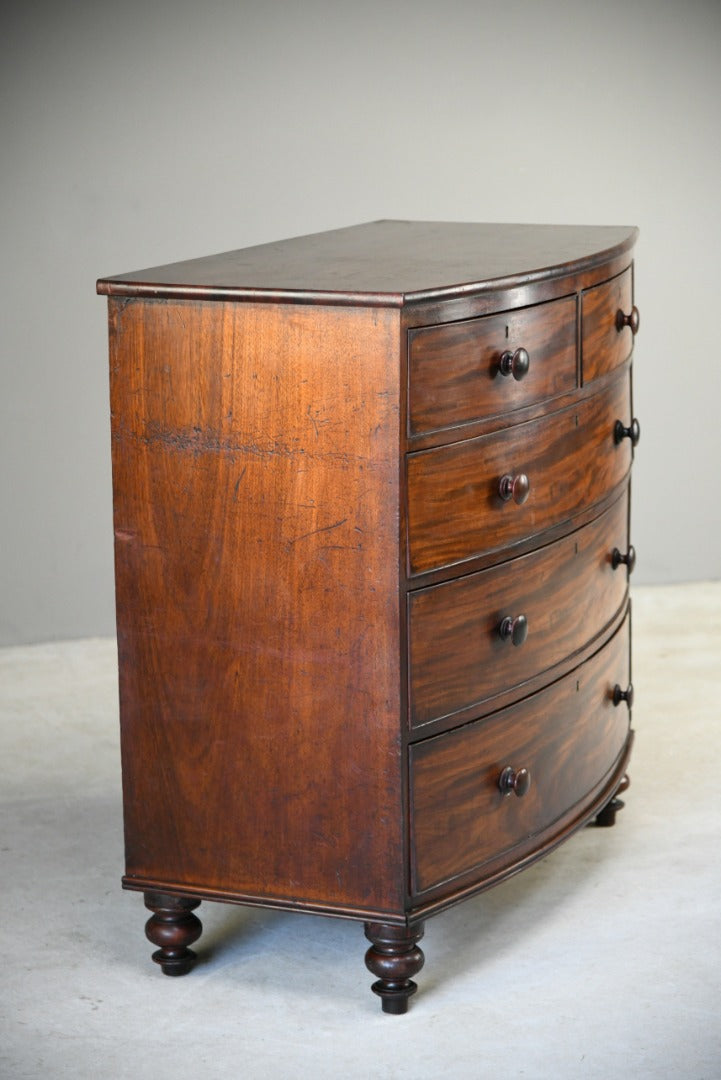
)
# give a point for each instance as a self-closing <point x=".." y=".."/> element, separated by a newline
<point x="371" y="507"/>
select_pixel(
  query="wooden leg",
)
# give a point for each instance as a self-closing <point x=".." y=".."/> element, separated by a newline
<point x="394" y="956"/>
<point x="173" y="927"/>
<point x="606" y="817"/>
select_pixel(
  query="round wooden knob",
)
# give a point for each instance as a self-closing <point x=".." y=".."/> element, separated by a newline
<point x="514" y="630"/>
<point x="632" y="432"/>
<point x="620" y="695"/>
<point x="514" y="487"/>
<point x="514" y="781"/>
<point x="633" y="320"/>
<point x="629" y="559"/>
<point x="515" y="364"/>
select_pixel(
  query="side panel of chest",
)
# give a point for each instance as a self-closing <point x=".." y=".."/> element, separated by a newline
<point x="256" y="522"/>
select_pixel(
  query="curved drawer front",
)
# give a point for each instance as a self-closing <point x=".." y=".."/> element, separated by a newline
<point x="567" y="592"/>
<point x="454" y="374"/>
<point x="568" y="736"/>
<point x="571" y="460"/>
<point x="606" y="344"/>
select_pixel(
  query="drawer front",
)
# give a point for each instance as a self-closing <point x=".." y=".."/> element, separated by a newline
<point x="605" y="345"/>
<point x="568" y="736"/>
<point x="568" y="592"/>
<point x="454" y="374"/>
<point x="571" y="460"/>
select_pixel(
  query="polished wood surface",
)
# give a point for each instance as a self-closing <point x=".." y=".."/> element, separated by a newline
<point x="256" y="527"/>
<point x="454" y="507"/>
<point x="457" y="657"/>
<point x="394" y="956"/>
<point x="370" y="531"/>
<point x="173" y="927"/>
<point x="567" y="736"/>
<point x="606" y="344"/>
<point x="454" y="372"/>
<point x="385" y="263"/>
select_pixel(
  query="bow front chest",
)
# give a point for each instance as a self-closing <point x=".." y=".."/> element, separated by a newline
<point x="371" y="506"/>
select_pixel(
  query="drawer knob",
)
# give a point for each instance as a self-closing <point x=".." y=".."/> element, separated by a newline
<point x="632" y="432"/>
<point x="514" y="630"/>
<point x="515" y="364"/>
<point x="629" y="559"/>
<point x="516" y="782"/>
<point x="633" y="321"/>
<point x="514" y="487"/>
<point x="620" y="695"/>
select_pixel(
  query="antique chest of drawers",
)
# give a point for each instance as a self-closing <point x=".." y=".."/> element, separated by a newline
<point x="371" y="504"/>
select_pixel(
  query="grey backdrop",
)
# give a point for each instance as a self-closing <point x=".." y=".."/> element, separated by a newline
<point x="140" y="133"/>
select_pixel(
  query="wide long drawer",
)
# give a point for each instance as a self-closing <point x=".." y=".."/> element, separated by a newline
<point x="553" y="601"/>
<point x="568" y="737"/>
<point x="455" y="372"/>
<point x="570" y="459"/>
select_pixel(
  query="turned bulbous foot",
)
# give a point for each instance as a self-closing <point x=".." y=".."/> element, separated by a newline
<point x="394" y="957"/>
<point x="173" y="927"/>
<point x="606" y="817"/>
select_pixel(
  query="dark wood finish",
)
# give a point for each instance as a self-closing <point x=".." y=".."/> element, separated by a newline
<point x="632" y="432"/>
<point x="457" y="659"/>
<point x="454" y="507"/>
<point x="513" y="629"/>
<point x="455" y="370"/>
<point x="632" y="320"/>
<point x="620" y="695"/>
<point x="318" y="445"/>
<point x="394" y="957"/>
<point x="256" y="526"/>
<point x="529" y="850"/>
<point x="567" y="736"/>
<point x="173" y="927"/>
<point x="514" y="782"/>
<point x="607" y="340"/>
<point x="606" y="818"/>
<point x="514" y="487"/>
<point x="385" y="263"/>
<point x="514" y="363"/>
<point x="628" y="559"/>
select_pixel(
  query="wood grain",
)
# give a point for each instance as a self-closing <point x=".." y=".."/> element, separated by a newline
<point x="570" y="458"/>
<point x="605" y="347"/>
<point x="256" y="523"/>
<point x="457" y="658"/>
<point x="384" y="263"/>
<point x="453" y="368"/>
<point x="568" y="736"/>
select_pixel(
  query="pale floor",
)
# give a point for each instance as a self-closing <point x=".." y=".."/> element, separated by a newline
<point x="604" y="960"/>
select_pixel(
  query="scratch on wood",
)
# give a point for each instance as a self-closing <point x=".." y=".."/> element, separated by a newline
<point x="237" y="484"/>
<point x="198" y="441"/>
<point x="314" y="532"/>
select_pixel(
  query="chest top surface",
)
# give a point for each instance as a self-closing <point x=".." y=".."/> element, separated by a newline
<point x="383" y="263"/>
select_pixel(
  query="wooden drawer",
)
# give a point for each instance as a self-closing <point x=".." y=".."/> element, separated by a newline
<point x="569" y="736"/>
<point x="570" y="457"/>
<point x="454" y="374"/>
<point x="568" y="592"/>
<point x="606" y="345"/>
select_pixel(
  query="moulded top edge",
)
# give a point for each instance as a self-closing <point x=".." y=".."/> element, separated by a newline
<point x="383" y="264"/>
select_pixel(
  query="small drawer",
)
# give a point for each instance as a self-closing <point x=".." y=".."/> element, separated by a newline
<point x="570" y="459"/>
<point x="454" y="369"/>
<point x="568" y="737"/>
<point x="562" y="596"/>
<point x="607" y="326"/>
